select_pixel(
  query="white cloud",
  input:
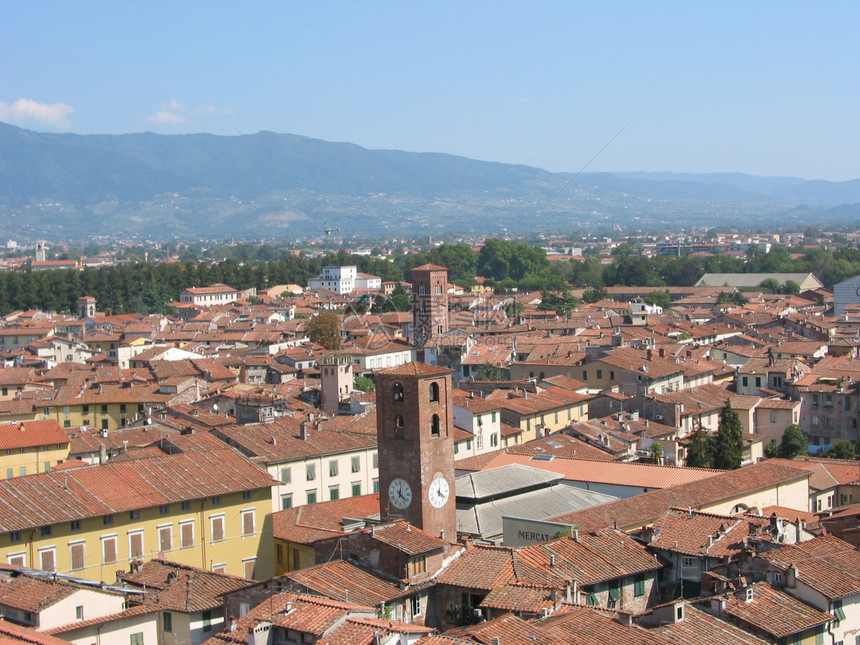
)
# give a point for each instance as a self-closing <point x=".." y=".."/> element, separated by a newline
<point x="162" y="116"/>
<point x="28" y="112"/>
<point x="174" y="111"/>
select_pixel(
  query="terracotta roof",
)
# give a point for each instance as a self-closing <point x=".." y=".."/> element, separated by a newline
<point x="33" y="594"/>
<point x="642" y="510"/>
<point x="415" y="369"/>
<point x="10" y="632"/>
<point x="311" y="522"/>
<point x="49" y="498"/>
<point x="179" y="587"/>
<point x="827" y="564"/>
<point x="701" y="628"/>
<point x="409" y="539"/>
<point x="774" y="612"/>
<point x="27" y="434"/>
<point x="342" y="580"/>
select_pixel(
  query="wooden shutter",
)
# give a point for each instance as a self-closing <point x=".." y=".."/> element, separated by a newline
<point x="250" y="568"/>
<point x="164" y="539"/>
<point x="217" y="529"/>
<point x="187" y="534"/>
<point x="77" y="553"/>
<point x="135" y="545"/>
<point x="109" y="550"/>
<point x="46" y="560"/>
<point x="248" y="523"/>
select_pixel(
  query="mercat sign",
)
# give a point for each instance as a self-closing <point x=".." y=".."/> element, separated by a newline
<point x="520" y="531"/>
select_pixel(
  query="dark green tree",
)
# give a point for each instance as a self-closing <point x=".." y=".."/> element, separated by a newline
<point x="699" y="453"/>
<point x="729" y="442"/>
<point x="793" y="442"/>
<point x="844" y="449"/>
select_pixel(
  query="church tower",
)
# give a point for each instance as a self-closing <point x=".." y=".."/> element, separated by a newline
<point x="414" y="422"/>
<point x="429" y="303"/>
<point x="335" y="382"/>
<point x="86" y="307"/>
<point x="40" y="251"/>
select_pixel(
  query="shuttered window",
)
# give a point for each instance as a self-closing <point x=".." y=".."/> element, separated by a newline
<point x="135" y="544"/>
<point x="250" y="567"/>
<point x="76" y="555"/>
<point x="47" y="561"/>
<point x="186" y="534"/>
<point x="217" y="528"/>
<point x="165" y="538"/>
<point x="247" y="522"/>
<point x="109" y="549"/>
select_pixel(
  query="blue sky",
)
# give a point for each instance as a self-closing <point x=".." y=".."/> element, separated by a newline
<point x="766" y="88"/>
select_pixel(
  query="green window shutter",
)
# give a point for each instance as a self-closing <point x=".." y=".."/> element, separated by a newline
<point x="615" y="593"/>
<point x="591" y="599"/>
<point x="639" y="586"/>
<point x="837" y="609"/>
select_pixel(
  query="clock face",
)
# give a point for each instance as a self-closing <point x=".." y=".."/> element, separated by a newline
<point x="439" y="492"/>
<point x="400" y="493"/>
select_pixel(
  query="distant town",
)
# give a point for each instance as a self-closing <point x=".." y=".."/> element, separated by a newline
<point x="590" y="438"/>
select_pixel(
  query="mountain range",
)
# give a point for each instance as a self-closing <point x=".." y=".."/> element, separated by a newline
<point x="284" y="186"/>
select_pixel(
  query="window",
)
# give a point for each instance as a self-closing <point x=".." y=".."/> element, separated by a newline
<point x="134" y="515"/>
<point x="773" y="417"/>
<point x="584" y="375"/>
<point x="375" y="460"/>
<point x="136" y="639"/>
<point x="248" y="522"/>
<point x="22" y="470"/>
<point x="14" y="536"/>
<point x="185" y="506"/>
<point x="79" y="613"/>
<point x="591" y="599"/>
<point x="45" y="531"/>
<point x="312" y="497"/>
<point x="687" y="562"/>
<point x="107" y="520"/>
<point x="167" y="621"/>
<point x="434" y="392"/>
<point x="838" y="611"/>
<point x="418" y="565"/>
<point x="207" y="621"/>
<point x="480" y="442"/>
<point x="186" y="534"/>
<point x="216" y="500"/>
<point x="611" y="375"/>
<point x="48" y="559"/>
<point x="494" y="440"/>
<point x="10" y="472"/>
<point x="397" y="392"/>
<point x="332" y="468"/>
<point x="135" y="544"/>
<point x="847" y="403"/>
<point x="164" y="509"/>
<point x="356" y="489"/>
<point x="599" y="374"/>
<point x="639" y="586"/>
<point x="165" y="538"/>
<point x="745" y="381"/>
<point x="286" y="502"/>
<point x="250" y="568"/>
<point x="109" y="549"/>
<point x="286" y="475"/>
<point x="355" y="465"/>
<point x="16" y="559"/>
<point x="216" y="528"/>
<point x="246" y="494"/>
<point x="415" y="605"/>
<point x="311" y="472"/>
<point x="76" y="556"/>
<point x="75" y="525"/>
<point x="104" y="409"/>
<point x="375" y="485"/>
<point x="434" y="425"/>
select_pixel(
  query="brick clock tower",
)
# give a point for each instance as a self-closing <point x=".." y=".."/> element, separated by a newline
<point x="429" y="303"/>
<point x="414" y="420"/>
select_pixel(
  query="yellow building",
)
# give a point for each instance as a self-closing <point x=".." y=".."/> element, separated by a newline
<point x="209" y="509"/>
<point x="31" y="447"/>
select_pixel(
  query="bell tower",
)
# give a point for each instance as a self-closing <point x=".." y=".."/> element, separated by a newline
<point x="416" y="447"/>
<point x="429" y="303"/>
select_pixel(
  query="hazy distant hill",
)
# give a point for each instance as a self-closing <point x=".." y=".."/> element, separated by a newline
<point x="282" y="185"/>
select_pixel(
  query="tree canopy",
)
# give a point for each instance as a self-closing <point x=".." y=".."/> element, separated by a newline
<point x="729" y="443"/>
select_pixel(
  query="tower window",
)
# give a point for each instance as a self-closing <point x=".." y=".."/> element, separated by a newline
<point x="434" y="425"/>
<point x="434" y="391"/>
<point x="398" y="392"/>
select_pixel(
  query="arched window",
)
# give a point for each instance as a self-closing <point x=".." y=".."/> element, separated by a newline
<point x="434" y="391"/>
<point x="398" y="392"/>
<point x="398" y="426"/>
<point x="434" y="425"/>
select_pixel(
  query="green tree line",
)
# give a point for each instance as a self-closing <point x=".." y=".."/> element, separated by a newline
<point x="149" y="287"/>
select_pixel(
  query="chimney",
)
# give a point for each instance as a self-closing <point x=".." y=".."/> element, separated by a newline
<point x="718" y="606"/>
<point x="303" y="430"/>
<point x="649" y="354"/>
